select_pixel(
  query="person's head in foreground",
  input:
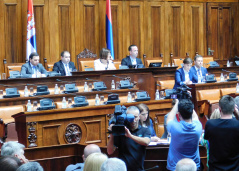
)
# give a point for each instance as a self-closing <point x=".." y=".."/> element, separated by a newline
<point x="30" y="166"/>
<point x="113" y="164"/>
<point x="15" y="149"/>
<point x="9" y="163"/>
<point x="186" y="164"/>
<point x="94" y="162"/>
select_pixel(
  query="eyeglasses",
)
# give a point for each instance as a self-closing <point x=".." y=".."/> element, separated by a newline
<point x="144" y="114"/>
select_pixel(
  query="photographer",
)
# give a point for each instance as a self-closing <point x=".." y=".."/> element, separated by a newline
<point x="185" y="134"/>
<point x="132" y="146"/>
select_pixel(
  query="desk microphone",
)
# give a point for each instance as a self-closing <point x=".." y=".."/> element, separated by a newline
<point x="65" y="81"/>
<point x="225" y="70"/>
<point x="126" y="78"/>
<point x="155" y="167"/>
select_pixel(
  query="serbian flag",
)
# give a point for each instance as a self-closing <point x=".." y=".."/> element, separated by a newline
<point x="109" y="30"/>
<point x="31" y="31"/>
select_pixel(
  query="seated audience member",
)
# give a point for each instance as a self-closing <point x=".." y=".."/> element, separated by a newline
<point x="198" y="70"/>
<point x="165" y="134"/>
<point x="132" y="61"/>
<point x="131" y="146"/>
<point x="9" y="163"/>
<point x="89" y="149"/>
<point x="30" y="166"/>
<point x="186" y="165"/>
<point x="145" y="121"/>
<point x="15" y="149"/>
<point x="64" y="66"/>
<point x="105" y="62"/>
<point x="184" y="75"/>
<point x="113" y="164"/>
<point x="223" y="136"/>
<point x="94" y="161"/>
<point x="33" y="68"/>
<point x="189" y="127"/>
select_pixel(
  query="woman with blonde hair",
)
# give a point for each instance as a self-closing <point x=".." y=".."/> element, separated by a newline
<point x="94" y="161"/>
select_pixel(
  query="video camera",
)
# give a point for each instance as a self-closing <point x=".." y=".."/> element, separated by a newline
<point x="120" y="119"/>
<point x="181" y="93"/>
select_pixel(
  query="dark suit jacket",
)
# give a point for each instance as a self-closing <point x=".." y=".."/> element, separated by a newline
<point x="194" y="72"/>
<point x="26" y="70"/>
<point x="127" y="61"/>
<point x="59" y="67"/>
<point x="180" y="78"/>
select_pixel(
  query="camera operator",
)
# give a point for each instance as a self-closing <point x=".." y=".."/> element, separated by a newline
<point x="132" y="146"/>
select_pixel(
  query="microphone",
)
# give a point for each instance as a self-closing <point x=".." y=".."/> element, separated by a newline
<point x="155" y="167"/>
<point x="226" y="70"/>
<point x="126" y="78"/>
<point x="65" y="81"/>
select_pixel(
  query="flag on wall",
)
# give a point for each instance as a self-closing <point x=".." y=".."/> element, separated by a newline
<point x="31" y="31"/>
<point x="109" y="30"/>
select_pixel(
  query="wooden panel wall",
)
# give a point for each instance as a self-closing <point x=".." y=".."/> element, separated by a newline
<point x="154" y="26"/>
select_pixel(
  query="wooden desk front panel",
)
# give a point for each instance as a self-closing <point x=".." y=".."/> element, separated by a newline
<point x="50" y="127"/>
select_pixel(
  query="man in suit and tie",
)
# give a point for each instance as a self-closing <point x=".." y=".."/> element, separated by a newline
<point x="33" y="68"/>
<point x="64" y="66"/>
<point x="184" y="75"/>
<point x="132" y="61"/>
<point x="198" y="70"/>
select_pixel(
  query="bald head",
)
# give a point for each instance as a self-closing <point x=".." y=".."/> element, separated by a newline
<point x="89" y="149"/>
<point x="186" y="165"/>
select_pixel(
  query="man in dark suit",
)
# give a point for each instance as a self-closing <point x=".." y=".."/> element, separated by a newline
<point x="198" y="70"/>
<point x="132" y="61"/>
<point x="64" y="66"/>
<point x="184" y="75"/>
<point x="33" y="68"/>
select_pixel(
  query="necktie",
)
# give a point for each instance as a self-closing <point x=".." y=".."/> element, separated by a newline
<point x="67" y="69"/>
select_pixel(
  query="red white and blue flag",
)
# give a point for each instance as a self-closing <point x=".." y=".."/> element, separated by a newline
<point x="31" y="30"/>
<point x="109" y="30"/>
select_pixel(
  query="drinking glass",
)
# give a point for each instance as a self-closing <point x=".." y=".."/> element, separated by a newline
<point x="1" y="94"/>
<point x="35" y="106"/>
<point x="102" y="100"/>
<point x="90" y="87"/>
<point x="225" y="77"/>
<point x="3" y="76"/>
<point x="133" y="96"/>
<point x="161" y="94"/>
<point x="31" y="91"/>
<point x="62" y="89"/>
<point x="69" y="102"/>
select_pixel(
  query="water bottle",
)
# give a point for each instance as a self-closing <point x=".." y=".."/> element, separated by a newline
<point x="129" y="99"/>
<point x="29" y="106"/>
<point x="113" y="85"/>
<point x="26" y="94"/>
<point x="64" y="105"/>
<point x="237" y="88"/>
<point x="157" y="95"/>
<point x="85" y="87"/>
<point x="228" y="63"/>
<point x="221" y="77"/>
<point x="97" y="100"/>
<point x="56" y="91"/>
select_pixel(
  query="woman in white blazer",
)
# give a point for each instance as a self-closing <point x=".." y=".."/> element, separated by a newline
<point x="104" y="62"/>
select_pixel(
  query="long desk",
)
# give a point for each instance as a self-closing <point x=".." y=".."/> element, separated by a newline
<point x="60" y="156"/>
<point x="83" y="125"/>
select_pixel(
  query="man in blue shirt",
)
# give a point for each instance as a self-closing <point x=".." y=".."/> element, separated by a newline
<point x="198" y="70"/>
<point x="185" y="134"/>
<point x="132" y="61"/>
